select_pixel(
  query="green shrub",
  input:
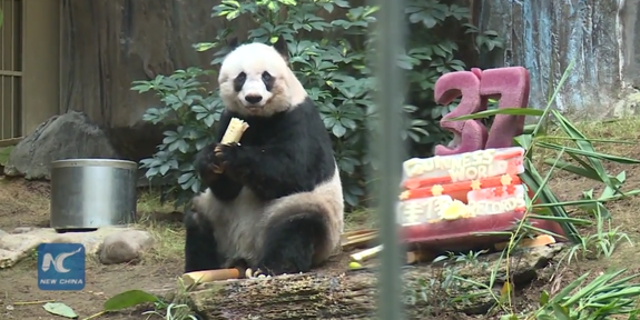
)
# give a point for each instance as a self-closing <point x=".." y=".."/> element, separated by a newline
<point x="336" y="71"/>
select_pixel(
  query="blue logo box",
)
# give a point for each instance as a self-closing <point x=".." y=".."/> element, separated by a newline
<point x="61" y="266"/>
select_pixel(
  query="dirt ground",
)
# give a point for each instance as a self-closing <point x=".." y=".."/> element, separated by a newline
<point x="24" y="204"/>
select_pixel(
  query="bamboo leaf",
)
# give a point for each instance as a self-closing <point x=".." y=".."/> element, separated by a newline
<point x="60" y="309"/>
<point x="532" y="179"/>
<point x="129" y="299"/>
<point x="524" y="140"/>
<point x="584" y="145"/>
<point x="493" y="112"/>
<point x="492" y="233"/>
<point x="609" y="192"/>
<point x="563" y="165"/>
<point x="561" y="219"/>
<point x="585" y="201"/>
<point x="544" y="231"/>
<point x="603" y="212"/>
<point x="564" y="77"/>
<point x="585" y="165"/>
<point x="528" y="129"/>
<point x="544" y="182"/>
<point x="592" y="140"/>
<point x="588" y="154"/>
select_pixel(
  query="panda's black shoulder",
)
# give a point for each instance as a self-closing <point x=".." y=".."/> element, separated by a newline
<point x="304" y="121"/>
<point x="300" y="129"/>
<point x="307" y="116"/>
<point x="310" y="131"/>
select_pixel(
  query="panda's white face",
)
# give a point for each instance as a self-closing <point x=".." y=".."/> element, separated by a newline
<point x="255" y="80"/>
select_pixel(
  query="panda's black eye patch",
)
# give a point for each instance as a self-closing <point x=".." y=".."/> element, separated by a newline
<point x="238" y="82"/>
<point x="268" y="80"/>
<point x="266" y="76"/>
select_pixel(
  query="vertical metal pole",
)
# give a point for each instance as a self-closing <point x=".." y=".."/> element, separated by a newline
<point x="3" y="66"/>
<point x="13" y="79"/>
<point x="390" y="82"/>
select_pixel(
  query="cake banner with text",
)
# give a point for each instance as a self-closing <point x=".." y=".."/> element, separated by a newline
<point x="465" y="185"/>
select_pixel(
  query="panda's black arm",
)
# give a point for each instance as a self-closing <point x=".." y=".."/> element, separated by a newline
<point x="276" y="170"/>
<point x="222" y="186"/>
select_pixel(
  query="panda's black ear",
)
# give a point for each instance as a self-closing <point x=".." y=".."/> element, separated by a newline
<point x="281" y="47"/>
<point x="233" y="43"/>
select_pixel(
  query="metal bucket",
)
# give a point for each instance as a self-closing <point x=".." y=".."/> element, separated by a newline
<point x="92" y="193"/>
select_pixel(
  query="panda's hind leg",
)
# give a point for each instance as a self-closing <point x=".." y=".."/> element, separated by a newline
<point x="290" y="242"/>
<point x="201" y="251"/>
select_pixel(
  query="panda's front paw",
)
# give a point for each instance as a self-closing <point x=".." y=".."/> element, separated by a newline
<point x="228" y="156"/>
<point x="225" y="151"/>
<point x="209" y="167"/>
<point x="221" y="157"/>
<point x="256" y="274"/>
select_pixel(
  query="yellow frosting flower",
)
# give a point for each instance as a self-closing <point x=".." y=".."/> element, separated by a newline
<point x="457" y="210"/>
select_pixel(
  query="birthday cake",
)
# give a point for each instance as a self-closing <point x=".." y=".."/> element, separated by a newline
<point x="478" y="185"/>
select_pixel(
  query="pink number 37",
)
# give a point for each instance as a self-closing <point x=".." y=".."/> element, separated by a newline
<point x="510" y="84"/>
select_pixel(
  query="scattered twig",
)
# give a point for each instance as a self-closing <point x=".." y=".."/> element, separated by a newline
<point x="26" y="303"/>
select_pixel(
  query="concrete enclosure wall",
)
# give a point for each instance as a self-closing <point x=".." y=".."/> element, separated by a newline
<point x="545" y="36"/>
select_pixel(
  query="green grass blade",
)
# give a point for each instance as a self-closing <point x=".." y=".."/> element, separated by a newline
<point x="570" y="287"/>
<point x="559" y="312"/>
<point x="624" y="293"/>
<point x="620" y="283"/>
<point x="598" y="282"/>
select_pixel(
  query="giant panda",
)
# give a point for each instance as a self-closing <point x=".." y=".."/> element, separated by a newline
<point x="278" y="205"/>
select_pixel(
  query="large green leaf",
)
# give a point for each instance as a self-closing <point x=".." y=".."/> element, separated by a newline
<point x="129" y="299"/>
<point x="60" y="309"/>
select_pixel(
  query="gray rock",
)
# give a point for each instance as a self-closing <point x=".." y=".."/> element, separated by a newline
<point x="68" y="136"/>
<point x="3" y="233"/>
<point x="15" y="246"/>
<point x="23" y="230"/>
<point x="124" y="246"/>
